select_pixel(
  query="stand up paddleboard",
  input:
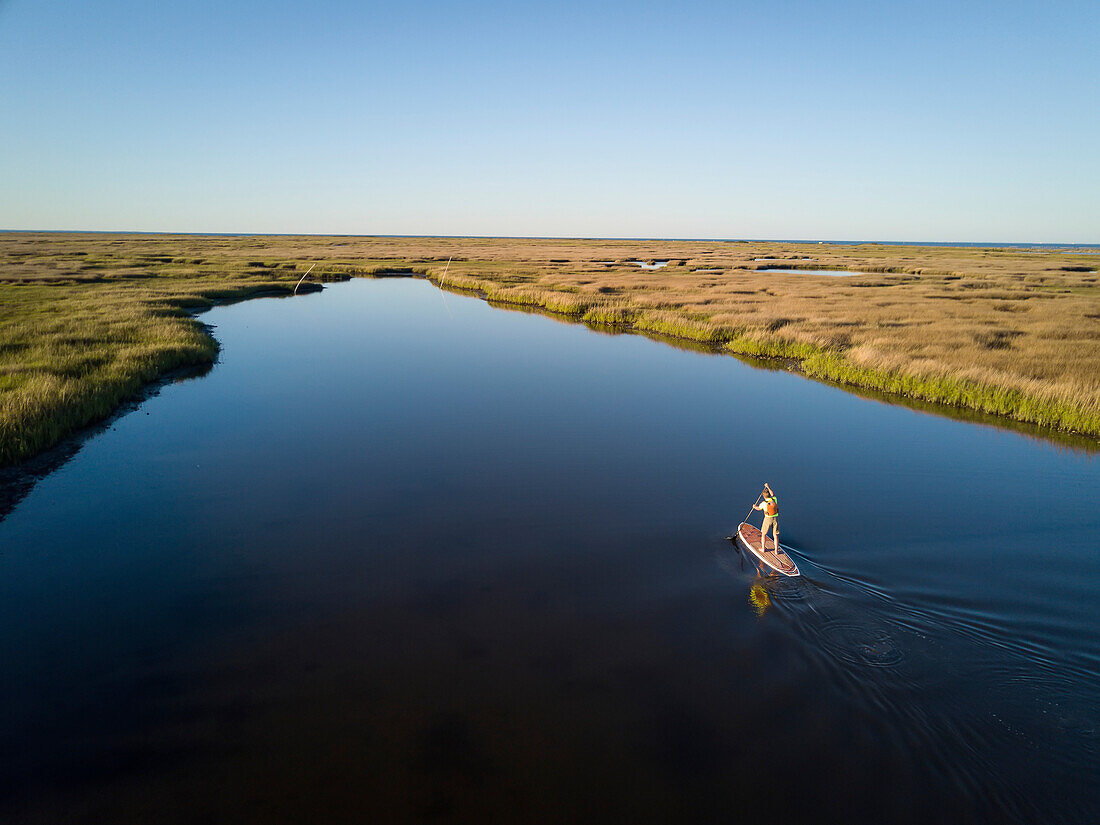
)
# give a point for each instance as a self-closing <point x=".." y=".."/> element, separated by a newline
<point x="749" y="538"/>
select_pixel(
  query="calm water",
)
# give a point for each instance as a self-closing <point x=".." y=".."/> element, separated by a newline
<point x="404" y="556"/>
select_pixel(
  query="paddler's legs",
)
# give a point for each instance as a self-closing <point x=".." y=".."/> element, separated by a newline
<point x="768" y="522"/>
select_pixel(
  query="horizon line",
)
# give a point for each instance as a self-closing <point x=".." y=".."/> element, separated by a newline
<point x="833" y="241"/>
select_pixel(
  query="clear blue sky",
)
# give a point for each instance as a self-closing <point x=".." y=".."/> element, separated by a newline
<point x="967" y="121"/>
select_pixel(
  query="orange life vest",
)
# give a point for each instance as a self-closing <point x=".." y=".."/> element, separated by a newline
<point x="771" y="506"/>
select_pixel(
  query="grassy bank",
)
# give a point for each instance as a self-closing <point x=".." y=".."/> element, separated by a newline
<point x="69" y="357"/>
<point x="87" y="320"/>
<point x="1040" y="407"/>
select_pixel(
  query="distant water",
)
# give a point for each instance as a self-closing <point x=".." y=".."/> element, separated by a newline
<point x="401" y="556"/>
<point x="1087" y="248"/>
<point x="781" y="271"/>
<point x="1083" y="248"/>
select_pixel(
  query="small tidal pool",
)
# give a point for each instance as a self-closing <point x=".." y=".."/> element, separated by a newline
<point x="403" y="556"/>
<point x="840" y="273"/>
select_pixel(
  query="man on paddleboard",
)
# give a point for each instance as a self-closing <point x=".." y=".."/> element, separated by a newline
<point x="769" y="506"/>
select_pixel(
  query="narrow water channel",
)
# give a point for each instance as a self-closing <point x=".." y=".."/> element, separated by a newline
<point x="404" y="556"/>
<point x="837" y="273"/>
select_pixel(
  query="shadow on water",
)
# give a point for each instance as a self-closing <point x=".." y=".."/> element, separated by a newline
<point x="17" y="481"/>
<point x="1072" y="441"/>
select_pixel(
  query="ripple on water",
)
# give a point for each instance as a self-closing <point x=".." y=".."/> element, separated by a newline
<point x="1066" y="706"/>
<point x="857" y="644"/>
<point x="790" y="590"/>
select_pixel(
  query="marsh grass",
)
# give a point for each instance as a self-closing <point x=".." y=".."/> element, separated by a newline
<point x="87" y="320"/>
<point x="71" y="354"/>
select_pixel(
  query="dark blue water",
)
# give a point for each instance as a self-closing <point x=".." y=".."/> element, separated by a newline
<point x="405" y="556"/>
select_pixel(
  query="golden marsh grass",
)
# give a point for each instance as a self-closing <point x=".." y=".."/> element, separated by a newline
<point x="87" y="319"/>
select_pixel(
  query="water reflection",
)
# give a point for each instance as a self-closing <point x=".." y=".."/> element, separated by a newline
<point x="838" y="273"/>
<point x="758" y="597"/>
<point x="456" y="562"/>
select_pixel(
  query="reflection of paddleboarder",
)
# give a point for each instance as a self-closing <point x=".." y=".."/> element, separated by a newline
<point x="769" y="506"/>
<point x="759" y="598"/>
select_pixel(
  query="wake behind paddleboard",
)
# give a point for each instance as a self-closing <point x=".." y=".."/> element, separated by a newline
<point x="775" y="559"/>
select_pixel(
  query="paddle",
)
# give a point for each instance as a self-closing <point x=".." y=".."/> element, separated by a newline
<point x="746" y="518"/>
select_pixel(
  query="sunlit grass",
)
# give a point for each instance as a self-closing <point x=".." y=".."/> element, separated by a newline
<point x="69" y="355"/>
<point x="87" y="320"/>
